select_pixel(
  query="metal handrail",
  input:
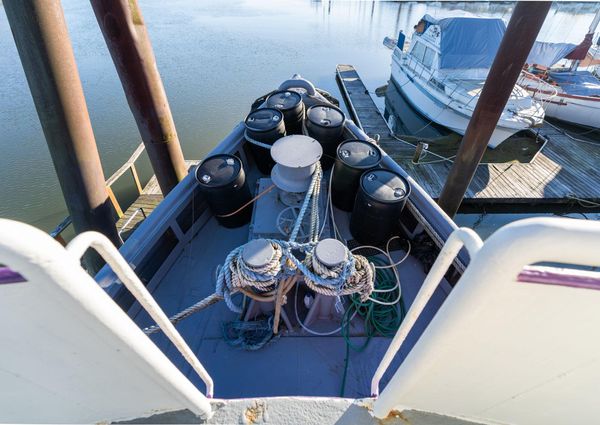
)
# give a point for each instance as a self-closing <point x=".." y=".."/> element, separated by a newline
<point x="457" y="239"/>
<point x="124" y="226"/>
<point x="541" y="87"/>
<point x="103" y="246"/>
<point x="129" y="165"/>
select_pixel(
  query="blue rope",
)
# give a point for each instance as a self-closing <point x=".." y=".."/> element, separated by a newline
<point x="309" y="194"/>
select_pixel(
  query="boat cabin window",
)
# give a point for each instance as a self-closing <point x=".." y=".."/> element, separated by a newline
<point x="418" y="51"/>
<point x="428" y="57"/>
<point x="423" y="54"/>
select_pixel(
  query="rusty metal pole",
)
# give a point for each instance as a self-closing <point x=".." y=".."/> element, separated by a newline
<point x="125" y="34"/>
<point x="523" y="28"/>
<point x="40" y="33"/>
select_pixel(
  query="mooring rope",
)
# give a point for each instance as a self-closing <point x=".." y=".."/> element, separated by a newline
<point x="256" y="142"/>
<point x="355" y="280"/>
<point x="236" y="274"/>
<point x="314" y="189"/>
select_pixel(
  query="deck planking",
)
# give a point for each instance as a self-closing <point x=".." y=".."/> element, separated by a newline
<point x="562" y="171"/>
<point x="146" y="202"/>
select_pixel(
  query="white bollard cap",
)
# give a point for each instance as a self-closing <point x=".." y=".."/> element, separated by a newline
<point x="257" y="253"/>
<point x="331" y="252"/>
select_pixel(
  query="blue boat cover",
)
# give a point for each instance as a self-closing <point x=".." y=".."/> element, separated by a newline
<point x="469" y="42"/>
<point x="580" y="83"/>
<point x="547" y="54"/>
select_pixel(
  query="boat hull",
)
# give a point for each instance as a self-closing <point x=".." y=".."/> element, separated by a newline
<point x="575" y="109"/>
<point x="439" y="112"/>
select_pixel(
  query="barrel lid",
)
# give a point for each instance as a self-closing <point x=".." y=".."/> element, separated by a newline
<point x="296" y="151"/>
<point x="385" y="186"/>
<point x="265" y="119"/>
<point x="284" y="100"/>
<point x="325" y="116"/>
<point x="359" y="154"/>
<point x="218" y="170"/>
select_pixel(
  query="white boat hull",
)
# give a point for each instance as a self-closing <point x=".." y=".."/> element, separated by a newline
<point x="573" y="109"/>
<point x="580" y="110"/>
<point x="438" y="111"/>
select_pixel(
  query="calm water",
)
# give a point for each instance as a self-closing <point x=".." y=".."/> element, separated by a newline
<point x="215" y="58"/>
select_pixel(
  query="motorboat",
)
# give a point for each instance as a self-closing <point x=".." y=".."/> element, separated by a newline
<point x="445" y="67"/>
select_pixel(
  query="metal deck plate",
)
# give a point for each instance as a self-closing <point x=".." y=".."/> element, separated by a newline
<point x="268" y="207"/>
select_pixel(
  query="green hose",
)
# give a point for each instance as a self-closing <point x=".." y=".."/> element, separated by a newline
<point x="379" y="319"/>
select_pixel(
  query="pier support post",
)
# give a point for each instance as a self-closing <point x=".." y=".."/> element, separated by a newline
<point x="125" y="34"/>
<point x="40" y="33"/>
<point x="523" y="28"/>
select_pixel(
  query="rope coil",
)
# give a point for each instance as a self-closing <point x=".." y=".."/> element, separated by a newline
<point x="355" y="276"/>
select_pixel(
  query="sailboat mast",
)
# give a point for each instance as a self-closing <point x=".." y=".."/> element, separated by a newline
<point x="595" y="22"/>
<point x="589" y="35"/>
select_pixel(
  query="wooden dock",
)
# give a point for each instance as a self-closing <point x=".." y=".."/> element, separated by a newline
<point x="565" y="173"/>
<point x="146" y="202"/>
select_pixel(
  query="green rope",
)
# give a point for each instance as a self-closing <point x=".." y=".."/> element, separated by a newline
<point x="379" y="319"/>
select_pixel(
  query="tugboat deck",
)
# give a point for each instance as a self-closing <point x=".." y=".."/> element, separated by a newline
<point x="562" y="174"/>
<point x="294" y="364"/>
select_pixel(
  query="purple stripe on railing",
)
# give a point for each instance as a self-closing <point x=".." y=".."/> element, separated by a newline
<point x="10" y="276"/>
<point x="571" y="278"/>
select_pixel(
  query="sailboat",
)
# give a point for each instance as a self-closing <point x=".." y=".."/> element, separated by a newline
<point x="444" y="70"/>
<point x="568" y="93"/>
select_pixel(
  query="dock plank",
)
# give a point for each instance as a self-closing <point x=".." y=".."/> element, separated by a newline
<point x="563" y="169"/>
<point x="143" y="206"/>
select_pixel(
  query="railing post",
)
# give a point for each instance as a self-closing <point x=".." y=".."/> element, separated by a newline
<point x="136" y="179"/>
<point x="40" y="33"/>
<point x="125" y="34"/>
<point x="113" y="200"/>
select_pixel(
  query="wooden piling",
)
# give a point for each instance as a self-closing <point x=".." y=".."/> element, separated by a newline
<point x="127" y="39"/>
<point x="42" y="40"/>
<point x="523" y="28"/>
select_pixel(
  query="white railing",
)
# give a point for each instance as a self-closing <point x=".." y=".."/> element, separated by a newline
<point x="512" y="337"/>
<point x="542" y="90"/>
<point x="129" y="165"/>
<point x="101" y="244"/>
<point x="459" y="238"/>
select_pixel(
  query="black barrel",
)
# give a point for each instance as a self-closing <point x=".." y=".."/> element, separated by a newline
<point x="290" y="103"/>
<point x="326" y="124"/>
<point x="380" y="199"/>
<point x="223" y="181"/>
<point x="354" y="157"/>
<point x="266" y="126"/>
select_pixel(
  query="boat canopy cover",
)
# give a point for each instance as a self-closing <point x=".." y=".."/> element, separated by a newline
<point x="468" y="43"/>
<point x="547" y="54"/>
<point x="579" y="83"/>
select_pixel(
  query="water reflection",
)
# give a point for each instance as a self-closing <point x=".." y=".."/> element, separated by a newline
<point x="215" y="58"/>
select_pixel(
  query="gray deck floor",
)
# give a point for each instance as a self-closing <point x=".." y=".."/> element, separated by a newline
<point x="562" y="171"/>
<point x="293" y="364"/>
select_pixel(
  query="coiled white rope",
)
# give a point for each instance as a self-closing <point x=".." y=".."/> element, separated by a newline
<point x="360" y="280"/>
